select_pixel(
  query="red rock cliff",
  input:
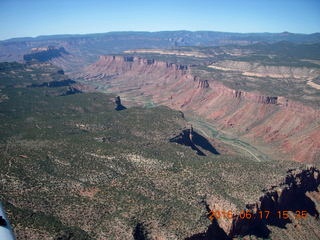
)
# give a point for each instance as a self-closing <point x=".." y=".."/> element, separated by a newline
<point x="292" y="201"/>
<point x="290" y="128"/>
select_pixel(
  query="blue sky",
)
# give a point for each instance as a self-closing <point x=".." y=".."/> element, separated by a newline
<point x="30" y="18"/>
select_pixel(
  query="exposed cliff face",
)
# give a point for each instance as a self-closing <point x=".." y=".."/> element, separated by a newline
<point x="290" y="128"/>
<point x="112" y="66"/>
<point x="255" y="98"/>
<point x="148" y="231"/>
<point x="119" y="105"/>
<point x="45" y="54"/>
<point x="259" y="70"/>
<point x="285" y="203"/>
<point x="203" y="83"/>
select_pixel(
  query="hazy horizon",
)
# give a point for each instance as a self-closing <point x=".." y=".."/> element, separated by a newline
<point x="137" y="31"/>
<point x="41" y="18"/>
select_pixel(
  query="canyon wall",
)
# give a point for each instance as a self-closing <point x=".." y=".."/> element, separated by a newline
<point x="290" y="128"/>
<point x="45" y="54"/>
<point x="292" y="201"/>
<point x="260" y="70"/>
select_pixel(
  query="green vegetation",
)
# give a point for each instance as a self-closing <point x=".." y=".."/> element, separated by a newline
<point x="296" y="62"/>
<point x="40" y="220"/>
<point x="276" y="61"/>
<point x="253" y="152"/>
<point x="74" y="164"/>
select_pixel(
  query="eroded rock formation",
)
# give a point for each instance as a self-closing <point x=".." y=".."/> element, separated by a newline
<point x="268" y="100"/>
<point x="128" y="59"/>
<point x="275" y="120"/>
<point x="203" y="84"/>
<point x="190" y="138"/>
<point x="278" y="206"/>
<point x="45" y="54"/>
<point x="238" y="94"/>
<point x="118" y="103"/>
<point x="148" y="231"/>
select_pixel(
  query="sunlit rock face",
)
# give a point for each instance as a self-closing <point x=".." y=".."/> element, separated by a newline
<point x="285" y="126"/>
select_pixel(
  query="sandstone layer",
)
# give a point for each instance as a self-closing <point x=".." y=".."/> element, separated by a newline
<point x="291" y="202"/>
<point x="290" y="128"/>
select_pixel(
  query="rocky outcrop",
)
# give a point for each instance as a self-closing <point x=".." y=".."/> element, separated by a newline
<point x="73" y="86"/>
<point x="119" y="105"/>
<point x="278" y="206"/>
<point x="238" y="94"/>
<point x="148" y="231"/>
<point x="286" y="127"/>
<point x="44" y="54"/>
<point x="127" y="59"/>
<point x="181" y="67"/>
<point x="53" y="84"/>
<point x="109" y="68"/>
<point x="203" y="84"/>
<point x="268" y="100"/>
<point x="150" y="61"/>
<point x="254" y="69"/>
<point x="198" y="143"/>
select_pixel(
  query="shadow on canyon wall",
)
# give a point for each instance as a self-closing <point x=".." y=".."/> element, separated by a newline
<point x="287" y="203"/>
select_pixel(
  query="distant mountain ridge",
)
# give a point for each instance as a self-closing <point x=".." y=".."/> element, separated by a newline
<point x="270" y="37"/>
<point x="90" y="46"/>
